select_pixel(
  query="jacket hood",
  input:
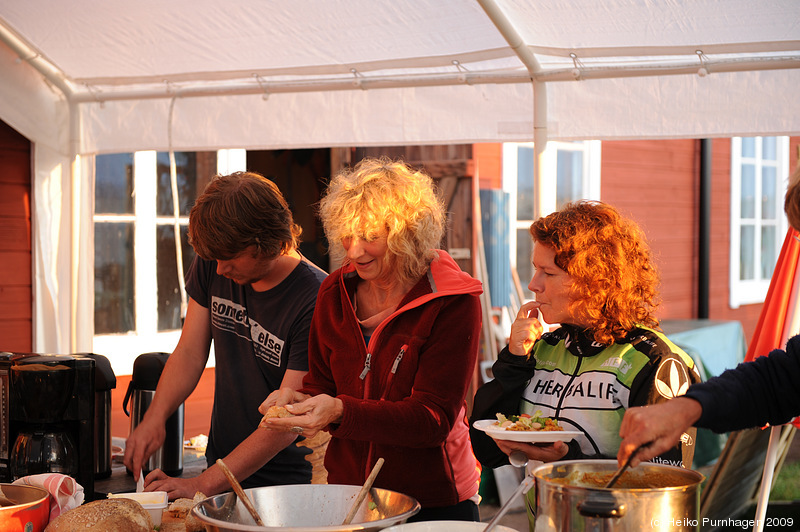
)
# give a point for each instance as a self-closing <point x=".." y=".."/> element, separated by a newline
<point x="447" y="278"/>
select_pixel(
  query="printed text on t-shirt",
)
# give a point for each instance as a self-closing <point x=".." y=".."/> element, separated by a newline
<point x="232" y="317"/>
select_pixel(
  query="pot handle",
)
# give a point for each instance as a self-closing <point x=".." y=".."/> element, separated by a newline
<point x="602" y="505"/>
<point x="125" y="400"/>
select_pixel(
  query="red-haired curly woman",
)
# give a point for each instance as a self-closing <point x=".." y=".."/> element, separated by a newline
<point x="594" y="276"/>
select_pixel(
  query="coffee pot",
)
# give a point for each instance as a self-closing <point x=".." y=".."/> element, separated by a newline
<point x="147" y="370"/>
<point x="44" y="450"/>
<point x="47" y="416"/>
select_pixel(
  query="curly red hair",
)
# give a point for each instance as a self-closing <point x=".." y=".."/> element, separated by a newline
<point x="615" y="282"/>
<point x="791" y="203"/>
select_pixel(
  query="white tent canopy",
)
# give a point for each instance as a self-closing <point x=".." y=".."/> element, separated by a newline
<point x="276" y="74"/>
<point x="86" y="77"/>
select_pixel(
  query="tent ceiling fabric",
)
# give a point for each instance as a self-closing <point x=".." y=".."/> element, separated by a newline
<point x="343" y="72"/>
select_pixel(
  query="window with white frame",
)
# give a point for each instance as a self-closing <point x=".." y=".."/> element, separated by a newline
<point x="571" y="171"/>
<point x="759" y="171"/>
<point x="138" y="283"/>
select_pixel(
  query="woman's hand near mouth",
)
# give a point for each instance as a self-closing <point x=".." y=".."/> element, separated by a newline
<point x="525" y="330"/>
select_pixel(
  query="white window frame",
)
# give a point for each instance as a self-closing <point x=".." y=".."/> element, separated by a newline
<point x="592" y="152"/>
<point x="125" y="347"/>
<point x="744" y="292"/>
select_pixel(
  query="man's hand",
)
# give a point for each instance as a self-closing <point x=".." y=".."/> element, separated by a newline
<point x="662" y="424"/>
<point x="176" y="488"/>
<point x="145" y="440"/>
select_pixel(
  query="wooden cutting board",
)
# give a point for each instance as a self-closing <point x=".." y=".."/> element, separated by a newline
<point x="171" y="524"/>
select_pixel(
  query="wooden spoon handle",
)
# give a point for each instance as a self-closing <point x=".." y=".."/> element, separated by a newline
<point x="363" y="493"/>
<point x="237" y="488"/>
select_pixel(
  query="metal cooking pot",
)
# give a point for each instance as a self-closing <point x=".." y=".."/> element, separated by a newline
<point x="306" y="508"/>
<point x="30" y="514"/>
<point x="445" y="526"/>
<point x="647" y="497"/>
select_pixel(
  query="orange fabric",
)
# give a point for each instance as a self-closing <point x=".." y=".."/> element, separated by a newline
<point x="769" y="333"/>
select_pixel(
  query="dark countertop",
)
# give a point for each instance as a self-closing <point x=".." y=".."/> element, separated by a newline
<point x="120" y="481"/>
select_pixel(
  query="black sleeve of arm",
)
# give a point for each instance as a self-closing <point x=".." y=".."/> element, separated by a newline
<point x="754" y="394"/>
<point x="500" y="395"/>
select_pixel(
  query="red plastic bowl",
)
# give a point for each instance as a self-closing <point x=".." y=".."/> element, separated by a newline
<point x="30" y="514"/>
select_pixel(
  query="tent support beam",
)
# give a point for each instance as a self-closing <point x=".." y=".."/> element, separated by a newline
<point x="517" y="43"/>
<point x="52" y="74"/>
<point x="204" y="87"/>
<point x="511" y="35"/>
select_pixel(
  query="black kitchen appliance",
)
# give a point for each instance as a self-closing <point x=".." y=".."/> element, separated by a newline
<point x="47" y="409"/>
<point x="104" y="382"/>
<point x="147" y="370"/>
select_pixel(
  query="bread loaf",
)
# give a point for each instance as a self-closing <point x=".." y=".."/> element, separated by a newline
<point x="277" y="411"/>
<point x="117" y="515"/>
<point x="192" y="523"/>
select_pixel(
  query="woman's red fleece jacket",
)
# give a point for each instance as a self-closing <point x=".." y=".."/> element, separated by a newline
<point x="407" y="404"/>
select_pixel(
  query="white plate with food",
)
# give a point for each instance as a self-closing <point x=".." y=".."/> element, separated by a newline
<point x="489" y="426"/>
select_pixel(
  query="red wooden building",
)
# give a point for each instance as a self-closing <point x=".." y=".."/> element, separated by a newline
<point x="658" y="183"/>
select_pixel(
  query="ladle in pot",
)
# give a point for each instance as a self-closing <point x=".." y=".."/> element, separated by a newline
<point x="627" y="463"/>
<point x="517" y="459"/>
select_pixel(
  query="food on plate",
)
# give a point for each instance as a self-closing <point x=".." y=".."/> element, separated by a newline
<point x="527" y="422"/>
<point x="120" y="515"/>
<point x="182" y="509"/>
<point x="277" y="411"/>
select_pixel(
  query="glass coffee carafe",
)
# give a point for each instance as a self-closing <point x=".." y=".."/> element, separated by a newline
<point x="43" y="443"/>
<point x="40" y="450"/>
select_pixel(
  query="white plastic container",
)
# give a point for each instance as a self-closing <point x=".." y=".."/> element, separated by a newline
<point x="155" y="502"/>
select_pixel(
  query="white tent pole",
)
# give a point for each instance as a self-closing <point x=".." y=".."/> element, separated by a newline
<point x="511" y="35"/>
<point x="202" y="87"/>
<point x="766" y="478"/>
<point x="541" y="205"/>
<point x="32" y="57"/>
<point x="75" y="216"/>
<point x="514" y="39"/>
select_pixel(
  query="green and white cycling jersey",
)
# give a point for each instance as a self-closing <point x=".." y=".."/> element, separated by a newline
<point x="587" y="386"/>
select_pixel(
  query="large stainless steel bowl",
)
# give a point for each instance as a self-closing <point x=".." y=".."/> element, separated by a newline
<point x="306" y="508"/>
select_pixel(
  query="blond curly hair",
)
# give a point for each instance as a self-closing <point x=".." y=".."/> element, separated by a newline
<point x="380" y="196"/>
<point x="615" y="282"/>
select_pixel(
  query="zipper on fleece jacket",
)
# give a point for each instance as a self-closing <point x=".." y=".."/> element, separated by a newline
<point x="367" y="367"/>
<point x="396" y="363"/>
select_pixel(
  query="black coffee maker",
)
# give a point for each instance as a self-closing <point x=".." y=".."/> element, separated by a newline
<point x="47" y="416"/>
